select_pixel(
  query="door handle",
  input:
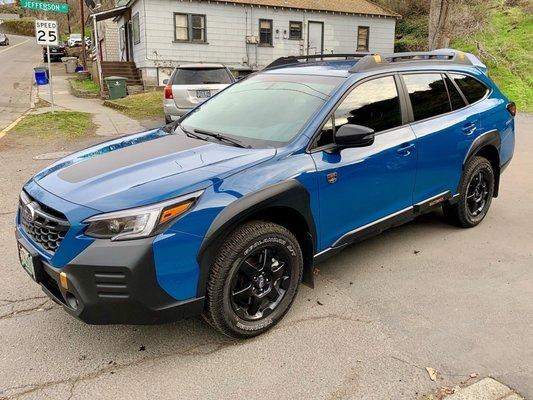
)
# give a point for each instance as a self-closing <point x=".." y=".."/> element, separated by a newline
<point x="405" y="149"/>
<point x="469" y="128"/>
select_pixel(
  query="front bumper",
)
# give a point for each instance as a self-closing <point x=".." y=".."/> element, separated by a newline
<point x="112" y="283"/>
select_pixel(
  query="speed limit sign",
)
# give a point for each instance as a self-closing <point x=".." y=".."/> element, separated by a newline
<point x="46" y="32"/>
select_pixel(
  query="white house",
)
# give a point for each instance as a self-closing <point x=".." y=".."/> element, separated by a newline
<point x="245" y="35"/>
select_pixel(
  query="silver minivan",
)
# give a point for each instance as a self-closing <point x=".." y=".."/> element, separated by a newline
<point x="190" y="85"/>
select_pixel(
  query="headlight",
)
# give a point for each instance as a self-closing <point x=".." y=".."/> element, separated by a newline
<point x="139" y="222"/>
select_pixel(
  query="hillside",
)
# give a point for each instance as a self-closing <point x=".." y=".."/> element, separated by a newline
<point x="499" y="32"/>
<point x="505" y="46"/>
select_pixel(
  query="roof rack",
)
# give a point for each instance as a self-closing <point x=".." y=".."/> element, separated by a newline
<point x="290" y="60"/>
<point x="437" y="56"/>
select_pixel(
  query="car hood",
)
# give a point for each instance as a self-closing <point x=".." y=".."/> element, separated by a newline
<point x="144" y="168"/>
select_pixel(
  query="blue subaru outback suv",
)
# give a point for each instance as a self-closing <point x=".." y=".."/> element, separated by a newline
<point x="224" y="212"/>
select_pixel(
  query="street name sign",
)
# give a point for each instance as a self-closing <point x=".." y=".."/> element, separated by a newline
<point x="41" y="6"/>
<point x="46" y="32"/>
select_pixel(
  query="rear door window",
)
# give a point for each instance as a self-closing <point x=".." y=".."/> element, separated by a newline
<point x="473" y="89"/>
<point x="428" y="95"/>
<point x="203" y="76"/>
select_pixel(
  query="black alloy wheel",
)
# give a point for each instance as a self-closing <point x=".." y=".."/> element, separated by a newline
<point x="260" y="283"/>
<point x="475" y="194"/>
<point x="253" y="280"/>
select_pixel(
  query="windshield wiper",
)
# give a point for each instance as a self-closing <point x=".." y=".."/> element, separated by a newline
<point x="189" y="133"/>
<point x="195" y="133"/>
<point x="222" y="138"/>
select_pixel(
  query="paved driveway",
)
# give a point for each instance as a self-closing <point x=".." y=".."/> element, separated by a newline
<point x="422" y="295"/>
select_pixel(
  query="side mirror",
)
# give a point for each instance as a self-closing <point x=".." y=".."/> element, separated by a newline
<point x="354" y="136"/>
<point x="165" y="81"/>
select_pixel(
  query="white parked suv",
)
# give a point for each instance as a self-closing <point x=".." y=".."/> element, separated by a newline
<point x="190" y="85"/>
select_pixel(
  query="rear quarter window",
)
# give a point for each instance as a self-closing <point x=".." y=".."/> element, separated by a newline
<point x="204" y="76"/>
<point x="472" y="89"/>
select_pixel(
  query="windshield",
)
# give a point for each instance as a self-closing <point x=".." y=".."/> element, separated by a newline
<point x="201" y="76"/>
<point x="263" y="110"/>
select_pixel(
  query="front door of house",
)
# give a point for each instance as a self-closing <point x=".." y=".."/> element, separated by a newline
<point x="315" y="37"/>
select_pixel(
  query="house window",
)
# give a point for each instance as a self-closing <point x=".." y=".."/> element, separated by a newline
<point x="181" y="25"/>
<point x="189" y="28"/>
<point x="295" y="30"/>
<point x="363" y="34"/>
<point x="136" y="30"/>
<point x="265" y="32"/>
<point x="198" y="28"/>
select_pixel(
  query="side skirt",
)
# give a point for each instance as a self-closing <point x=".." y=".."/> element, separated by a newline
<point x="390" y="221"/>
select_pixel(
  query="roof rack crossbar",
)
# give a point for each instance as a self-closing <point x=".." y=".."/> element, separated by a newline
<point x="441" y="56"/>
<point x="289" y="60"/>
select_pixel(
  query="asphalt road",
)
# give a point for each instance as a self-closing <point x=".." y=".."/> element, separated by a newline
<point x="16" y="76"/>
<point x="422" y="295"/>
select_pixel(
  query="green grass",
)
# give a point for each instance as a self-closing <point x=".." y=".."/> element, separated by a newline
<point x="86" y="85"/>
<point x="61" y="124"/>
<point x="505" y="47"/>
<point x="143" y="105"/>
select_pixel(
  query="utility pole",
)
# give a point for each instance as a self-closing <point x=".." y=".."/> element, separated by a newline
<point x="82" y="15"/>
<point x="68" y="19"/>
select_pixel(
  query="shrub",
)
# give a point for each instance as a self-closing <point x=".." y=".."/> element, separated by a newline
<point x="23" y="26"/>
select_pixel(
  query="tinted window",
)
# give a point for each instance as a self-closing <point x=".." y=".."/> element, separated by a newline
<point x="190" y="76"/>
<point x="374" y="104"/>
<point x="456" y="99"/>
<point x="264" y="110"/>
<point x="428" y="95"/>
<point x="471" y="88"/>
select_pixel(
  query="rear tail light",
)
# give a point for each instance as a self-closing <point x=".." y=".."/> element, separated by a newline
<point x="511" y="107"/>
<point x="168" y="92"/>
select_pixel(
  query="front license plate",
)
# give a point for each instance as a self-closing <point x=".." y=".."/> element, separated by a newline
<point x="26" y="260"/>
<point x="203" y="94"/>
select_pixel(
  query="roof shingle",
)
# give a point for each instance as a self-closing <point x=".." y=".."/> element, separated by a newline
<point x="344" y="6"/>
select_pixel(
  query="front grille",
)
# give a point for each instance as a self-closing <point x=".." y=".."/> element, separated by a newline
<point x="47" y="227"/>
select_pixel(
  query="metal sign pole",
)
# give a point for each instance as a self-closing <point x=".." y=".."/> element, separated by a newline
<point x="50" y="77"/>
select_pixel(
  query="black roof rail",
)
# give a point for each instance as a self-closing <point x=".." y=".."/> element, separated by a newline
<point x="438" y="56"/>
<point x="289" y="60"/>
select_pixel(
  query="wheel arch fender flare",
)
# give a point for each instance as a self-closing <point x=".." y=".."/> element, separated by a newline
<point x="487" y="145"/>
<point x="289" y="194"/>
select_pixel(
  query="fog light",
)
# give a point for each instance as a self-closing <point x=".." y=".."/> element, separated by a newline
<point x="72" y="301"/>
<point x="63" y="280"/>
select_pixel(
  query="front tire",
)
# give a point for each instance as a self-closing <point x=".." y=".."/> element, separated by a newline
<point x="475" y="194"/>
<point x="254" y="279"/>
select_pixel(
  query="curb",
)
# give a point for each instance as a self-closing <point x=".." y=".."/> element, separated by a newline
<point x="4" y="131"/>
<point x="485" y="389"/>
<point x="82" y="93"/>
<point x="116" y="106"/>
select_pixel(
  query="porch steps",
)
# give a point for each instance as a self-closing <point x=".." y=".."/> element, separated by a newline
<point x="125" y="69"/>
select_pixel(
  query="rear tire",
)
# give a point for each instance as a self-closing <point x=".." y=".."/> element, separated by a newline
<point x="254" y="279"/>
<point x="475" y="194"/>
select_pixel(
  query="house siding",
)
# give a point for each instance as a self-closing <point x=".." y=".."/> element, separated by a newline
<point x="228" y="25"/>
<point x="108" y="31"/>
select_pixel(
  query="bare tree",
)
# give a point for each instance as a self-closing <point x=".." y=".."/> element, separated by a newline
<point x="438" y="24"/>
